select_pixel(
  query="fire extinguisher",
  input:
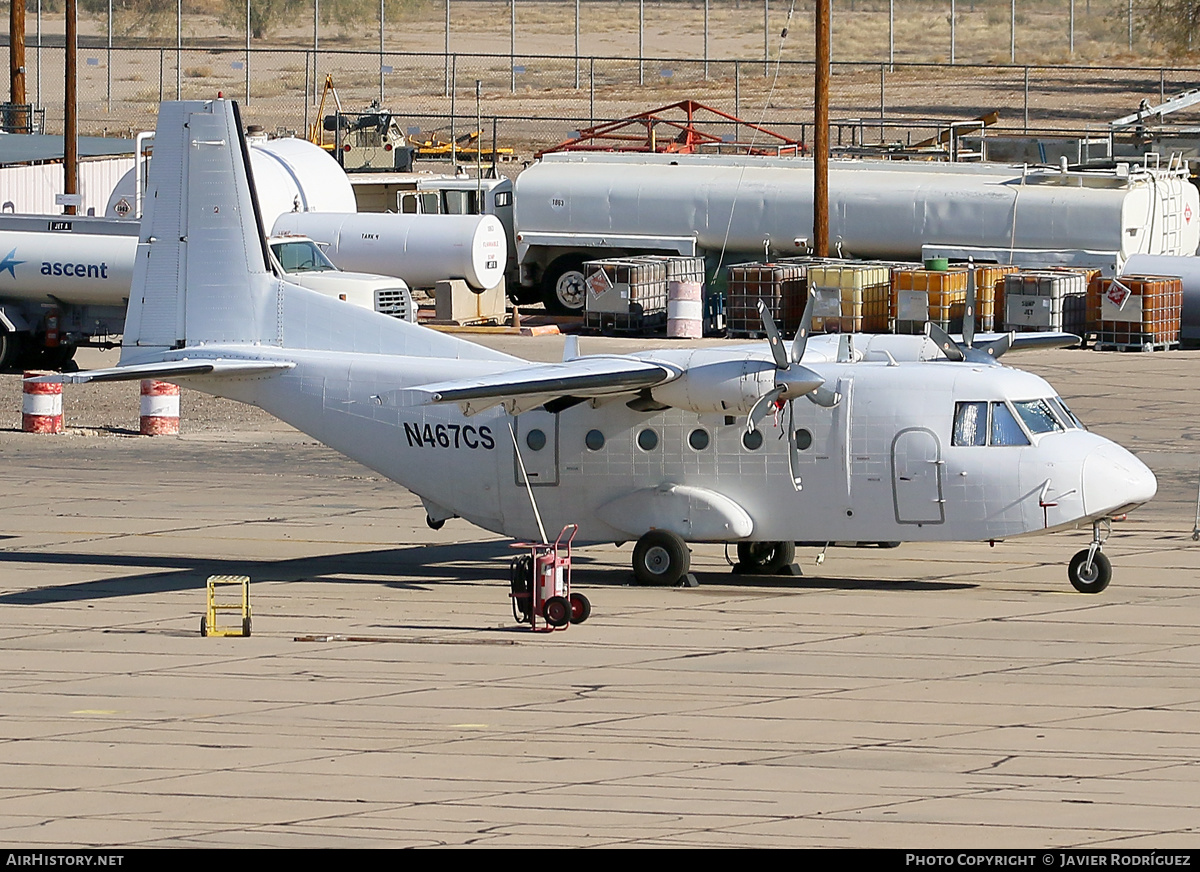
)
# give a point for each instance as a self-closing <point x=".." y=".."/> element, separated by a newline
<point x="53" y="337"/>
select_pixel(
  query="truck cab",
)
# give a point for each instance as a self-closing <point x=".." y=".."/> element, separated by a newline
<point x="300" y="261"/>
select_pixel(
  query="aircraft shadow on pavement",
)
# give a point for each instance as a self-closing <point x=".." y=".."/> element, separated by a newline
<point x="623" y="577"/>
<point x="416" y="566"/>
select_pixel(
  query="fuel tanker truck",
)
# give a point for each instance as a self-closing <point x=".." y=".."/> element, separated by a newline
<point x="64" y="280"/>
<point x="574" y="207"/>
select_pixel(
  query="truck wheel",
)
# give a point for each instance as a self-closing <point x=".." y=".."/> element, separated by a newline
<point x="12" y="350"/>
<point x="563" y="288"/>
<point x="60" y="357"/>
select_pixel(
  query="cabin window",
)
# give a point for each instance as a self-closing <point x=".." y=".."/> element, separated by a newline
<point x="1005" y="429"/>
<point x="647" y="440"/>
<point x="536" y="440"/>
<point x="503" y="198"/>
<point x="594" y="440"/>
<point x="970" y="424"/>
<point x="752" y="440"/>
<point x="698" y="439"/>
<point x="803" y="439"/>
<point x="1038" y="416"/>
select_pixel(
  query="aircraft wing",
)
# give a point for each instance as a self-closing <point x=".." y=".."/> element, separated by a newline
<point x="170" y="370"/>
<point x="528" y="387"/>
<point x="1035" y="341"/>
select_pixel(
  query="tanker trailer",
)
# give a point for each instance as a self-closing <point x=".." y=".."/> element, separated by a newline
<point x="572" y="207"/>
<point x="289" y="175"/>
<point x="63" y="279"/>
<point x="421" y="249"/>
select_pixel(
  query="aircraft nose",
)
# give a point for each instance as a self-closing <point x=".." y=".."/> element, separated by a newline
<point x="1115" y="481"/>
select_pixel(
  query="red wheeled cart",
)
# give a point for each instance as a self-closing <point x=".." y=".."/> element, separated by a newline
<point x="541" y="585"/>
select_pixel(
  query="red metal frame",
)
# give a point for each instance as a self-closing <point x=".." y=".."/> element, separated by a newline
<point x="639" y="133"/>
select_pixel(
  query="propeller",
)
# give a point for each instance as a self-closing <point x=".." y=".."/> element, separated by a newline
<point x="792" y="379"/>
<point x="967" y="350"/>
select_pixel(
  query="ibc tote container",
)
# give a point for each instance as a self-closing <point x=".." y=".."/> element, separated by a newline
<point x="782" y="286"/>
<point x="628" y="294"/>
<point x="920" y="295"/>
<point x="989" y="292"/>
<point x="845" y="295"/>
<point x="1045" y="300"/>
<point x="1134" y="311"/>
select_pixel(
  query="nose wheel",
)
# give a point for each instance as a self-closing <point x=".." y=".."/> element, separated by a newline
<point x="1090" y="570"/>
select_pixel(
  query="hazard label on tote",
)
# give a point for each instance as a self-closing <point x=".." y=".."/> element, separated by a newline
<point x="1117" y="294"/>
<point x="598" y="283"/>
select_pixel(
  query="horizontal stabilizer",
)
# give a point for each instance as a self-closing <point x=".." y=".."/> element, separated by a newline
<point x="584" y="377"/>
<point x="171" y="370"/>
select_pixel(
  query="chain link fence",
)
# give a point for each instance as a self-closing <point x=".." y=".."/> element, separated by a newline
<point x="554" y="67"/>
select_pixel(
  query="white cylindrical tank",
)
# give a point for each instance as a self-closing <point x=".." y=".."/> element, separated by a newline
<point x="877" y="209"/>
<point x="79" y="268"/>
<point x="421" y="249"/>
<point x="288" y="174"/>
<point x="1188" y="269"/>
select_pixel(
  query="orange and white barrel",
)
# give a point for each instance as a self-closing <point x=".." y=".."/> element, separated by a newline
<point x="160" y="408"/>
<point x="685" y="310"/>
<point x="41" y="405"/>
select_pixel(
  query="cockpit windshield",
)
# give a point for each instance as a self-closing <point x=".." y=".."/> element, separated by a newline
<point x="1038" y="416"/>
<point x="301" y="255"/>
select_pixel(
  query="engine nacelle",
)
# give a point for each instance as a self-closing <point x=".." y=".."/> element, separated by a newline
<point x="711" y="382"/>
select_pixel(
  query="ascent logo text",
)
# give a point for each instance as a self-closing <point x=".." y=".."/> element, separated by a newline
<point x="76" y="270"/>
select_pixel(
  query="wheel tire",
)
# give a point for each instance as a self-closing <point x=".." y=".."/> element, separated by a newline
<point x="766" y="557"/>
<point x="660" y="558"/>
<point x="1090" y="582"/>
<point x="245" y="626"/>
<point x="557" y="611"/>
<point x="581" y="608"/>
<point x="204" y="626"/>
<point x="563" y="288"/>
<point x="12" y="350"/>
<point x="61" y="357"/>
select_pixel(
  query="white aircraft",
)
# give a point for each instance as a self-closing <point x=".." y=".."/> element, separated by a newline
<point x="874" y="439"/>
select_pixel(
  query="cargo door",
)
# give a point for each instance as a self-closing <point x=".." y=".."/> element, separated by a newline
<point x="917" y="477"/>
<point x="537" y="438"/>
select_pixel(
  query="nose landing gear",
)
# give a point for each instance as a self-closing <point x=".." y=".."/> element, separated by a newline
<point x="1090" y="570"/>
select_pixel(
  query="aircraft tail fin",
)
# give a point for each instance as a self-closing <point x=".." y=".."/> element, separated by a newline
<point x="203" y="276"/>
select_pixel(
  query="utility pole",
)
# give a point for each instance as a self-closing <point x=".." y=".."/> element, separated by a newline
<point x="70" y="110"/>
<point x="821" y="134"/>
<point x="16" y="63"/>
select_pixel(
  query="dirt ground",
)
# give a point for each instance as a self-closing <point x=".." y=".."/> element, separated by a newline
<point x="544" y="91"/>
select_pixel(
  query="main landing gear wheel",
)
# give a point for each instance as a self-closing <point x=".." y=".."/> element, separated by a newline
<point x="660" y="558"/>
<point x="1091" y="579"/>
<point x="563" y="286"/>
<point x="765" y="557"/>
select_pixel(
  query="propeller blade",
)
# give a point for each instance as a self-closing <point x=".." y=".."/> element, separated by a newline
<point x="845" y="349"/>
<point x="761" y="407"/>
<point x="989" y="351"/>
<point x="801" y="340"/>
<point x="793" y="449"/>
<point x="773" y="336"/>
<point x="824" y="396"/>
<point x="948" y="346"/>
<point x="968" y="328"/>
